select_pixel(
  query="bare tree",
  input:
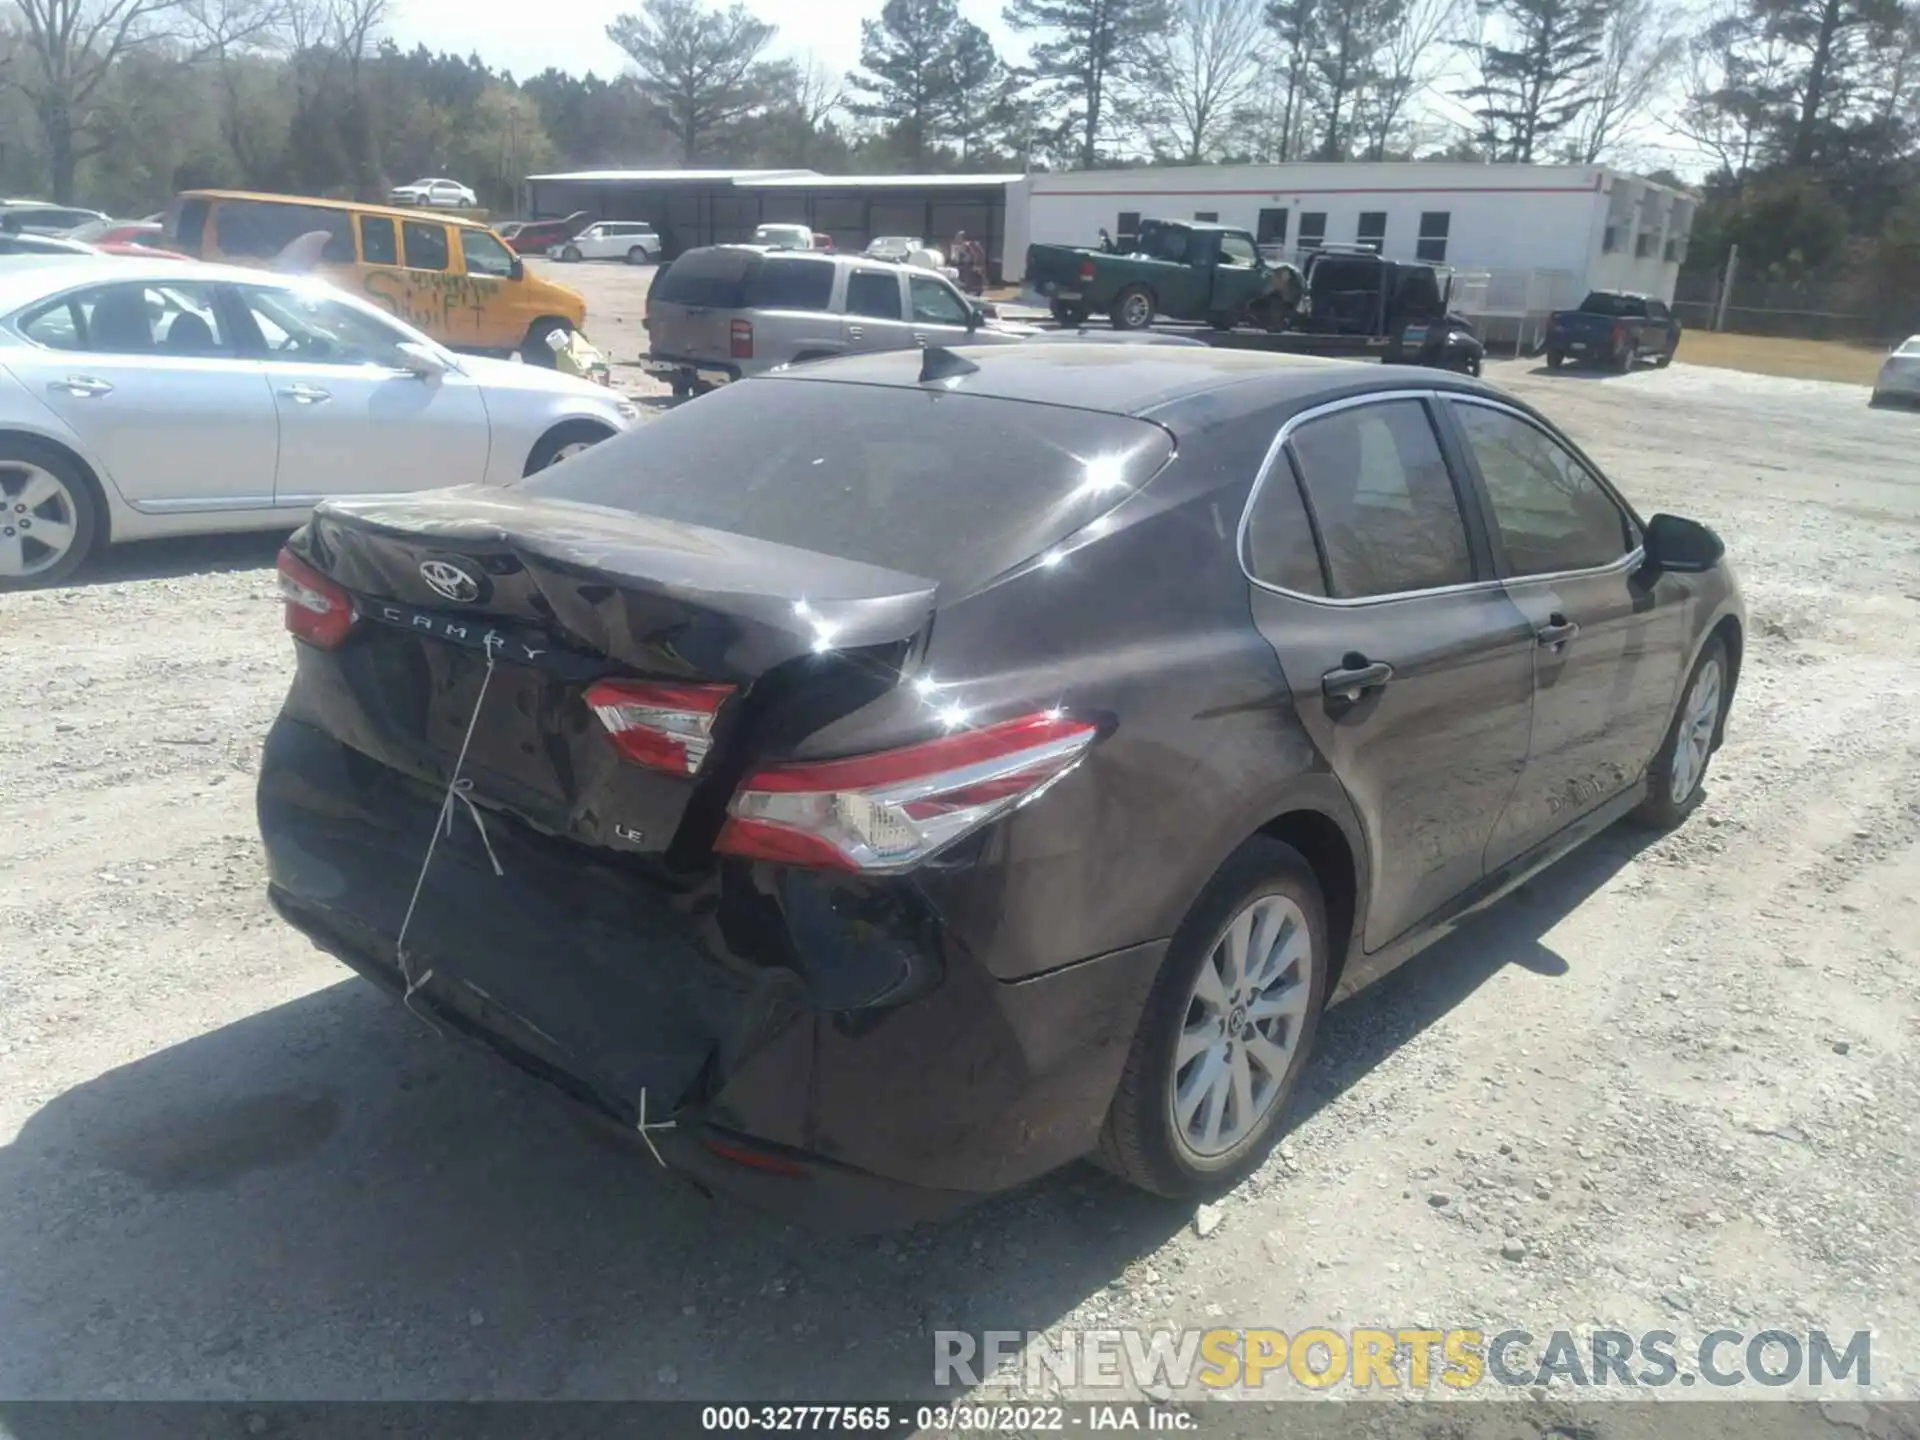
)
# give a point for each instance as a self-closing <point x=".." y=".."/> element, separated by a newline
<point x="227" y="35"/>
<point x="1734" y="78"/>
<point x="72" y="47"/>
<point x="1199" y="71"/>
<point x="1637" y="57"/>
<point x="1414" y="56"/>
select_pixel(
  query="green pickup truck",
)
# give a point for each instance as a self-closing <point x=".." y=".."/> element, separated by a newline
<point x="1176" y="269"/>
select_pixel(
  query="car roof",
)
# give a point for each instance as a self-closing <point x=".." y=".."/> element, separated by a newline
<point x="1167" y="384"/>
<point x="401" y="212"/>
<point x="50" y="274"/>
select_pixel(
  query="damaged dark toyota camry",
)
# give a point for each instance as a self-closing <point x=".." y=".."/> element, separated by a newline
<point x="882" y="782"/>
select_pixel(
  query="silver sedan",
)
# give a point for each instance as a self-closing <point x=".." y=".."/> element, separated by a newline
<point x="1899" y="380"/>
<point x="145" y="398"/>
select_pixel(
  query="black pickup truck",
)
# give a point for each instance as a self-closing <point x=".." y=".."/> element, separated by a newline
<point x="1613" y="329"/>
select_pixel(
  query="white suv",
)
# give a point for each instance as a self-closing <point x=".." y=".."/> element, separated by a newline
<point x="633" y="241"/>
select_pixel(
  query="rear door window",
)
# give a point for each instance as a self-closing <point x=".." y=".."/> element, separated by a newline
<point x="868" y="473"/>
<point x="426" y="246"/>
<point x="782" y="282"/>
<point x="874" y="294"/>
<point x="1382" y="500"/>
<point x="379" y="244"/>
<point x="705" y="279"/>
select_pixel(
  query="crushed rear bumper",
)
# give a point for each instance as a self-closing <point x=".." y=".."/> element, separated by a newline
<point x="822" y="1027"/>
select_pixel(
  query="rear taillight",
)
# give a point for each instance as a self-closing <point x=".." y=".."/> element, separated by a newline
<point x="662" y="726"/>
<point x="318" y="611"/>
<point x="742" y="339"/>
<point x="1086" y="270"/>
<point x="1619" y="336"/>
<point x="893" y="809"/>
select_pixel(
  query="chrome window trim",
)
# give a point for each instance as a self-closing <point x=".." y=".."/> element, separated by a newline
<point x="1634" y="526"/>
<point x="1334" y="407"/>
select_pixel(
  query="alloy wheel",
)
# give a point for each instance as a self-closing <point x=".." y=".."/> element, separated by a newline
<point x="1137" y="312"/>
<point x="567" y="452"/>
<point x="1242" y="1029"/>
<point x="38" y="520"/>
<point x="1698" y="717"/>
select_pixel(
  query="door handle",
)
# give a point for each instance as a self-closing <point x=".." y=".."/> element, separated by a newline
<point x="306" y="394"/>
<point x="83" y="387"/>
<point x="854" y="332"/>
<point x="1357" y="676"/>
<point x="919" y="338"/>
<point x="1557" y="631"/>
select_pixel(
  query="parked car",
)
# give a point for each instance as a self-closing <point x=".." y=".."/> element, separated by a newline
<point x="893" y="247"/>
<point x="452" y="277"/>
<point x="449" y="193"/>
<point x="633" y="241"/>
<point x="1446" y="343"/>
<point x="900" y="786"/>
<point x="37" y="245"/>
<point x="142" y="233"/>
<point x="33" y="217"/>
<point x="538" y="237"/>
<point x="783" y="237"/>
<point x="822" y="241"/>
<point x="1898" y="382"/>
<point x="509" y="229"/>
<point x="724" y="312"/>
<point x="1613" y="329"/>
<point x="1184" y="271"/>
<point x="157" y="396"/>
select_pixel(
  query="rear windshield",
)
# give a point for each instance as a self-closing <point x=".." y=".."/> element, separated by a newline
<point x="1601" y="303"/>
<point x="742" y="280"/>
<point x="954" y="488"/>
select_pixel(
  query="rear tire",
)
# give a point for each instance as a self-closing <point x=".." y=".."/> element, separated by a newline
<point x="1266" y="890"/>
<point x="1680" y="766"/>
<point x="563" y="442"/>
<point x="571" y="254"/>
<point x="1555" y="359"/>
<point x="1622" y="359"/>
<point x="1132" y="308"/>
<point x="1068" y="317"/>
<point x="1663" y="359"/>
<point x="639" y="255"/>
<point x="535" y="351"/>
<point x="42" y="486"/>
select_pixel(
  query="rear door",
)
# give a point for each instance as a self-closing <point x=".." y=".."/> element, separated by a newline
<point x="1608" y="646"/>
<point x="153" y="381"/>
<point x="1410" y="667"/>
<point x="789" y="309"/>
<point x="876" y="309"/>
<point x="352" y="420"/>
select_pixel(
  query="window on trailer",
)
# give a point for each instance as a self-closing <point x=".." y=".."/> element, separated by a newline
<point x="1273" y="227"/>
<point x="1127" y="229"/>
<point x="1432" y="245"/>
<point x="1207" y="217"/>
<point x="1313" y="229"/>
<point x="1372" y="231"/>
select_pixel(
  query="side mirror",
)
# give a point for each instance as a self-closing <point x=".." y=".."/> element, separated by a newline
<point x="1684" y="547"/>
<point x="420" y="361"/>
<point x="976" y="317"/>
<point x="519" y="270"/>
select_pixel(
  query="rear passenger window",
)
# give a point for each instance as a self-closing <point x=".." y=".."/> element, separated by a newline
<point x="377" y="243"/>
<point x="426" y="246"/>
<point x="1280" y="549"/>
<point x="1385" y="508"/>
<point x="781" y="283"/>
<point x="874" y="293"/>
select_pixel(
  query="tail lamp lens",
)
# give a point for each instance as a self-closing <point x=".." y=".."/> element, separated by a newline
<point x="317" y="610"/>
<point x="742" y="334"/>
<point x="1086" y="270"/>
<point x="893" y="809"/>
<point x="661" y="726"/>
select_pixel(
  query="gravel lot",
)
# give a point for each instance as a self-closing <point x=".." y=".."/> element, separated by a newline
<point x="1678" y="1079"/>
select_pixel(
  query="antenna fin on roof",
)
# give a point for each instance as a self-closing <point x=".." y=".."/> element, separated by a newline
<point x="939" y="363"/>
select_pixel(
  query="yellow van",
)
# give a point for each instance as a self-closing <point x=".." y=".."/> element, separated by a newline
<point x="453" y="278"/>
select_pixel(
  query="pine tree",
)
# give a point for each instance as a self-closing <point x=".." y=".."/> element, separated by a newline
<point x="1089" y="51"/>
<point x="907" y="71"/>
<point x="1534" y="74"/>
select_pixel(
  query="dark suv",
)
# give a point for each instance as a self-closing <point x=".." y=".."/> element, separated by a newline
<point x="904" y="774"/>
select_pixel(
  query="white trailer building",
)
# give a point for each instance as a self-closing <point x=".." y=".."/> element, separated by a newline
<point x="1522" y="239"/>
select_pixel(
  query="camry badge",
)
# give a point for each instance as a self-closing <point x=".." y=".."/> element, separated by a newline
<point x="450" y="581"/>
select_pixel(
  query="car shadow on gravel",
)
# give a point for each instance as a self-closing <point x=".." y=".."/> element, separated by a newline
<point x="327" y="1199"/>
<point x="176" y="559"/>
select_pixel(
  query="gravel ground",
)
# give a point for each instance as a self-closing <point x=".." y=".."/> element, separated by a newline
<point x="1671" y="1085"/>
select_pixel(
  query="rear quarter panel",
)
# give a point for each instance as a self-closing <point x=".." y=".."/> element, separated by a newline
<point x="1148" y="630"/>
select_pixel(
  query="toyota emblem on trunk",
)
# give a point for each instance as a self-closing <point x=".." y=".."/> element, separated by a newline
<point x="451" y="581"/>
